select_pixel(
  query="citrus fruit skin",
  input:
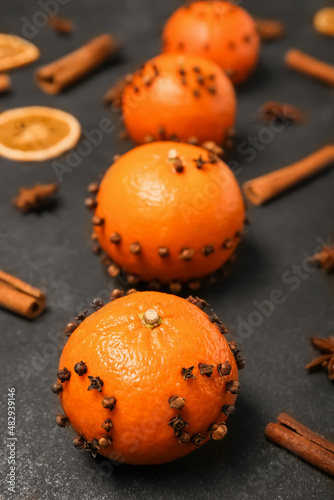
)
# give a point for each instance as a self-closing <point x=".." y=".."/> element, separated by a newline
<point x="218" y="30"/>
<point x="144" y="200"/>
<point x="179" y="96"/>
<point x="141" y="369"/>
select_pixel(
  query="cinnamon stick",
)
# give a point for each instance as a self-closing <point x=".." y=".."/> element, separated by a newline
<point x="302" y="442"/>
<point x="20" y="297"/>
<point x="270" y="29"/>
<point x="310" y="66"/>
<point x="56" y="76"/>
<point x="266" y="187"/>
<point x="5" y="83"/>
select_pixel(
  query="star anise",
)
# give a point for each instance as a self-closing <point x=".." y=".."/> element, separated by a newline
<point x="35" y="198"/>
<point x="325" y="258"/>
<point x="326" y="360"/>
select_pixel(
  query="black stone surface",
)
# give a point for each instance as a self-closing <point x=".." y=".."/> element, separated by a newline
<point x="52" y="251"/>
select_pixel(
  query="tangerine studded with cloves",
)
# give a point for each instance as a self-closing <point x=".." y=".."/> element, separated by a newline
<point x="163" y="226"/>
<point x="218" y="30"/>
<point x="182" y="102"/>
<point x="151" y="362"/>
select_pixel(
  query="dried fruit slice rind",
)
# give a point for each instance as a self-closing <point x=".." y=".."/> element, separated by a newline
<point x="37" y="133"/>
<point x="16" y="51"/>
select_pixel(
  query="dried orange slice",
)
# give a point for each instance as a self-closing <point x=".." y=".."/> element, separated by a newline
<point x="37" y="133"/>
<point x="15" y="51"/>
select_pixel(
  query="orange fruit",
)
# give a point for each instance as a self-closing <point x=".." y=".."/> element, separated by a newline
<point x="179" y="98"/>
<point x="218" y="30"/>
<point x="147" y="378"/>
<point x="37" y="133"/>
<point x="168" y="211"/>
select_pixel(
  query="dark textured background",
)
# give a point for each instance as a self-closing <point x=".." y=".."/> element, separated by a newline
<point x="52" y="251"/>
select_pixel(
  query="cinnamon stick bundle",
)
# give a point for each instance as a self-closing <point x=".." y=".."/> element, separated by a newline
<point x="302" y="442"/>
<point x="56" y="76"/>
<point x="19" y="297"/>
<point x="299" y="61"/>
<point x="266" y="187"/>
